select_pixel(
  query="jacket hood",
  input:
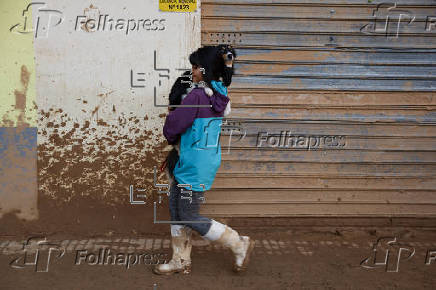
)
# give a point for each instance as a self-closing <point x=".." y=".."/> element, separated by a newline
<point x="218" y="102"/>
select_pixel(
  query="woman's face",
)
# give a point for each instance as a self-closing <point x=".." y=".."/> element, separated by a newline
<point x="197" y="74"/>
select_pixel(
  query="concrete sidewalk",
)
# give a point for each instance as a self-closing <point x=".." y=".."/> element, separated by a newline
<point x="297" y="258"/>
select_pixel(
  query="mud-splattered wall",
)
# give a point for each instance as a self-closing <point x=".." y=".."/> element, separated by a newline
<point x="85" y="75"/>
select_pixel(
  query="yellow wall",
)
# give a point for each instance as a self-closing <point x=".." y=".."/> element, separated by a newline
<point x="17" y="55"/>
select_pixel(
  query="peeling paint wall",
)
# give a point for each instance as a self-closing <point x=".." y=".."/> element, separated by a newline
<point x="98" y="132"/>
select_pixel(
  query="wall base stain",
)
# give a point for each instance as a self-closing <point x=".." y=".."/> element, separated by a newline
<point x="75" y="161"/>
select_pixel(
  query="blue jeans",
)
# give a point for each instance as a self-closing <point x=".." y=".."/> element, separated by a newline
<point x="184" y="206"/>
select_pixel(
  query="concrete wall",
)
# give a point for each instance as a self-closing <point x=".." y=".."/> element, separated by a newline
<point x="76" y="80"/>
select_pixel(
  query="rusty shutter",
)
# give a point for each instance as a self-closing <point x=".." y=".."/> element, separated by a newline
<point x="356" y="80"/>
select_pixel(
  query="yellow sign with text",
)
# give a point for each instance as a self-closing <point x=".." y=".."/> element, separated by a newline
<point x="178" y="5"/>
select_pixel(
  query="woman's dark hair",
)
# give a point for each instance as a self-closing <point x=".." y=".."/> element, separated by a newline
<point x="207" y="57"/>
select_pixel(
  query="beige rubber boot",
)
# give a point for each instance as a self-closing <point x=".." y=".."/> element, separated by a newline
<point x="181" y="259"/>
<point x="241" y="246"/>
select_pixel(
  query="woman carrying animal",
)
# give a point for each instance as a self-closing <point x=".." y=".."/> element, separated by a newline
<point x="200" y="157"/>
<point x="221" y="58"/>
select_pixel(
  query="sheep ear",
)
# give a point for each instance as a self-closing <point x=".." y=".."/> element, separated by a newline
<point x="208" y="91"/>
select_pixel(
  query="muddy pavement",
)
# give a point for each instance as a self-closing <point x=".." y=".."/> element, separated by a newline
<point x="303" y="258"/>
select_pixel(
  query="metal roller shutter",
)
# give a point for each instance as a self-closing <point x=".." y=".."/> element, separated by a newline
<point x="353" y="79"/>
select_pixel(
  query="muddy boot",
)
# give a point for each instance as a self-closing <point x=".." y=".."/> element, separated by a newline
<point x="181" y="260"/>
<point x="241" y="246"/>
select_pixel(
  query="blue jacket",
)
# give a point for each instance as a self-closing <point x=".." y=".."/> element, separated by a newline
<point x="200" y="130"/>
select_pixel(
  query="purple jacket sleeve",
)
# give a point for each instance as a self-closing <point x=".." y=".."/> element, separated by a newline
<point x="179" y="120"/>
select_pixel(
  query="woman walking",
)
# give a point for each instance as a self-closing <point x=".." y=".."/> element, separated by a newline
<point x="200" y="157"/>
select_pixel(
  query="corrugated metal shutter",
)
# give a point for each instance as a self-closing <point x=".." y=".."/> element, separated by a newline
<point x="350" y="76"/>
